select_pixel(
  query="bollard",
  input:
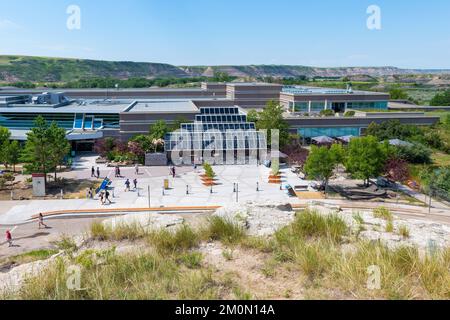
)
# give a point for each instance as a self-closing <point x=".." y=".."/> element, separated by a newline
<point x="257" y="187"/>
<point x="148" y="190"/>
<point x="187" y="190"/>
<point x="62" y="194"/>
<point x="211" y="190"/>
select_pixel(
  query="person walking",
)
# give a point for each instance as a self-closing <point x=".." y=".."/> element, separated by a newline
<point x="101" y="197"/>
<point x="98" y="172"/>
<point x="41" y="221"/>
<point x="127" y="185"/>
<point x="173" y="172"/>
<point x="118" y="172"/>
<point x="136" y="169"/>
<point x="135" y="184"/>
<point x="92" y="172"/>
<point x="107" y="197"/>
<point x="9" y="238"/>
<point x="91" y="193"/>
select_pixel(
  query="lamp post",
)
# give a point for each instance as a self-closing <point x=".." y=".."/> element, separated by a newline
<point x="148" y="192"/>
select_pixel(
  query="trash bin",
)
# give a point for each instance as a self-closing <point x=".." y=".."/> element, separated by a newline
<point x="166" y="184"/>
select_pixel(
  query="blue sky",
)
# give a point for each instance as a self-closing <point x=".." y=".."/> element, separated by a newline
<point x="326" y="33"/>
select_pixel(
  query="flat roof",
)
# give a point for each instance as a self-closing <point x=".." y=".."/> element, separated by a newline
<point x="163" y="106"/>
<point x="306" y="90"/>
<point x="85" y="106"/>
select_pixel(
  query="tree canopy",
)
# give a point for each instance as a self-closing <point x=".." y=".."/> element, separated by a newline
<point x="46" y="147"/>
<point x="322" y="161"/>
<point x="272" y="118"/>
<point x="365" y="157"/>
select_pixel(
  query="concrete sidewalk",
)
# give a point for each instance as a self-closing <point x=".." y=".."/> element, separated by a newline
<point x="247" y="178"/>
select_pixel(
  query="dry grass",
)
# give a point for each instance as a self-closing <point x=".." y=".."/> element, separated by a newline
<point x="316" y="248"/>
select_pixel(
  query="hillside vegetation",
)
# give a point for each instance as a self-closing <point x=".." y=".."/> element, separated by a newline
<point x="44" y="69"/>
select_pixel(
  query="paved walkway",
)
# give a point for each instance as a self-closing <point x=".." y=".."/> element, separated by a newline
<point x="424" y="198"/>
<point x="247" y="178"/>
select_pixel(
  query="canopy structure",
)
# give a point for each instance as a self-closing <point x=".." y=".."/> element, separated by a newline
<point x="400" y="143"/>
<point x="346" y="139"/>
<point x="322" y="140"/>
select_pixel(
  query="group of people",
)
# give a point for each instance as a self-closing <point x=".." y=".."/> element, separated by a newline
<point x="95" y="173"/>
<point x="8" y="234"/>
<point x="104" y="197"/>
<point x="128" y="183"/>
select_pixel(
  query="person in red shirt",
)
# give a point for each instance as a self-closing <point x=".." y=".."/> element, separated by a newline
<point x="9" y="238"/>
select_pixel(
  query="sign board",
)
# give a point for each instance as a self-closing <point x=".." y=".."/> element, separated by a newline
<point x="38" y="185"/>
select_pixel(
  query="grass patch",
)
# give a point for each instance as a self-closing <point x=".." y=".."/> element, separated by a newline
<point x="166" y="241"/>
<point x="383" y="213"/>
<point x="310" y="223"/>
<point x="226" y="231"/>
<point x="403" y="231"/>
<point x="28" y="257"/>
<point x="132" y="276"/>
<point x="389" y="226"/>
<point x="102" y="232"/>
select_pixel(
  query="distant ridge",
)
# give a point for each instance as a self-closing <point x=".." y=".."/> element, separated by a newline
<point x="15" y="68"/>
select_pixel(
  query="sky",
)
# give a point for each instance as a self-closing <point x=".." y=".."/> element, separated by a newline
<point x="322" y="33"/>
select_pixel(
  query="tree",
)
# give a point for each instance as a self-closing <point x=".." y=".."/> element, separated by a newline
<point x="253" y="116"/>
<point x="296" y="153"/>
<point x="272" y="118"/>
<point x="14" y="151"/>
<point x="393" y="129"/>
<point x="441" y="99"/>
<point x="59" y="146"/>
<point x="4" y="145"/>
<point x="158" y="130"/>
<point x="398" y="94"/>
<point x="396" y="169"/>
<point x="322" y="161"/>
<point x="365" y="158"/>
<point x="37" y="151"/>
<point x="416" y="154"/>
<point x="136" y="149"/>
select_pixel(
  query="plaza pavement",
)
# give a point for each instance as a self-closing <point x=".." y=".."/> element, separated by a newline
<point x="247" y="177"/>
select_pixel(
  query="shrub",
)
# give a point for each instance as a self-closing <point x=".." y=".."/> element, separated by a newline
<point x="327" y="113"/>
<point x="349" y="114"/>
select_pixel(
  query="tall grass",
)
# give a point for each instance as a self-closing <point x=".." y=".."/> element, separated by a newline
<point x="224" y="230"/>
<point x="383" y="213"/>
<point x="123" y="231"/>
<point x="166" y="241"/>
<point x="133" y="276"/>
<point x="310" y="223"/>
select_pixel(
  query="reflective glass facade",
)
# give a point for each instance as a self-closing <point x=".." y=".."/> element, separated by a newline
<point x="329" y="132"/>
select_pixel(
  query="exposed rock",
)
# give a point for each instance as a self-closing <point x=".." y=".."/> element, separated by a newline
<point x="147" y="221"/>
<point x="13" y="279"/>
<point x="260" y="219"/>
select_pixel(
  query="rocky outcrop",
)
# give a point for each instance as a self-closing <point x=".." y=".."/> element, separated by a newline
<point x="260" y="219"/>
<point x="147" y="221"/>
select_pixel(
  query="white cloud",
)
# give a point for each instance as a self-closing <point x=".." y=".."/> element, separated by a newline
<point x="6" y="24"/>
